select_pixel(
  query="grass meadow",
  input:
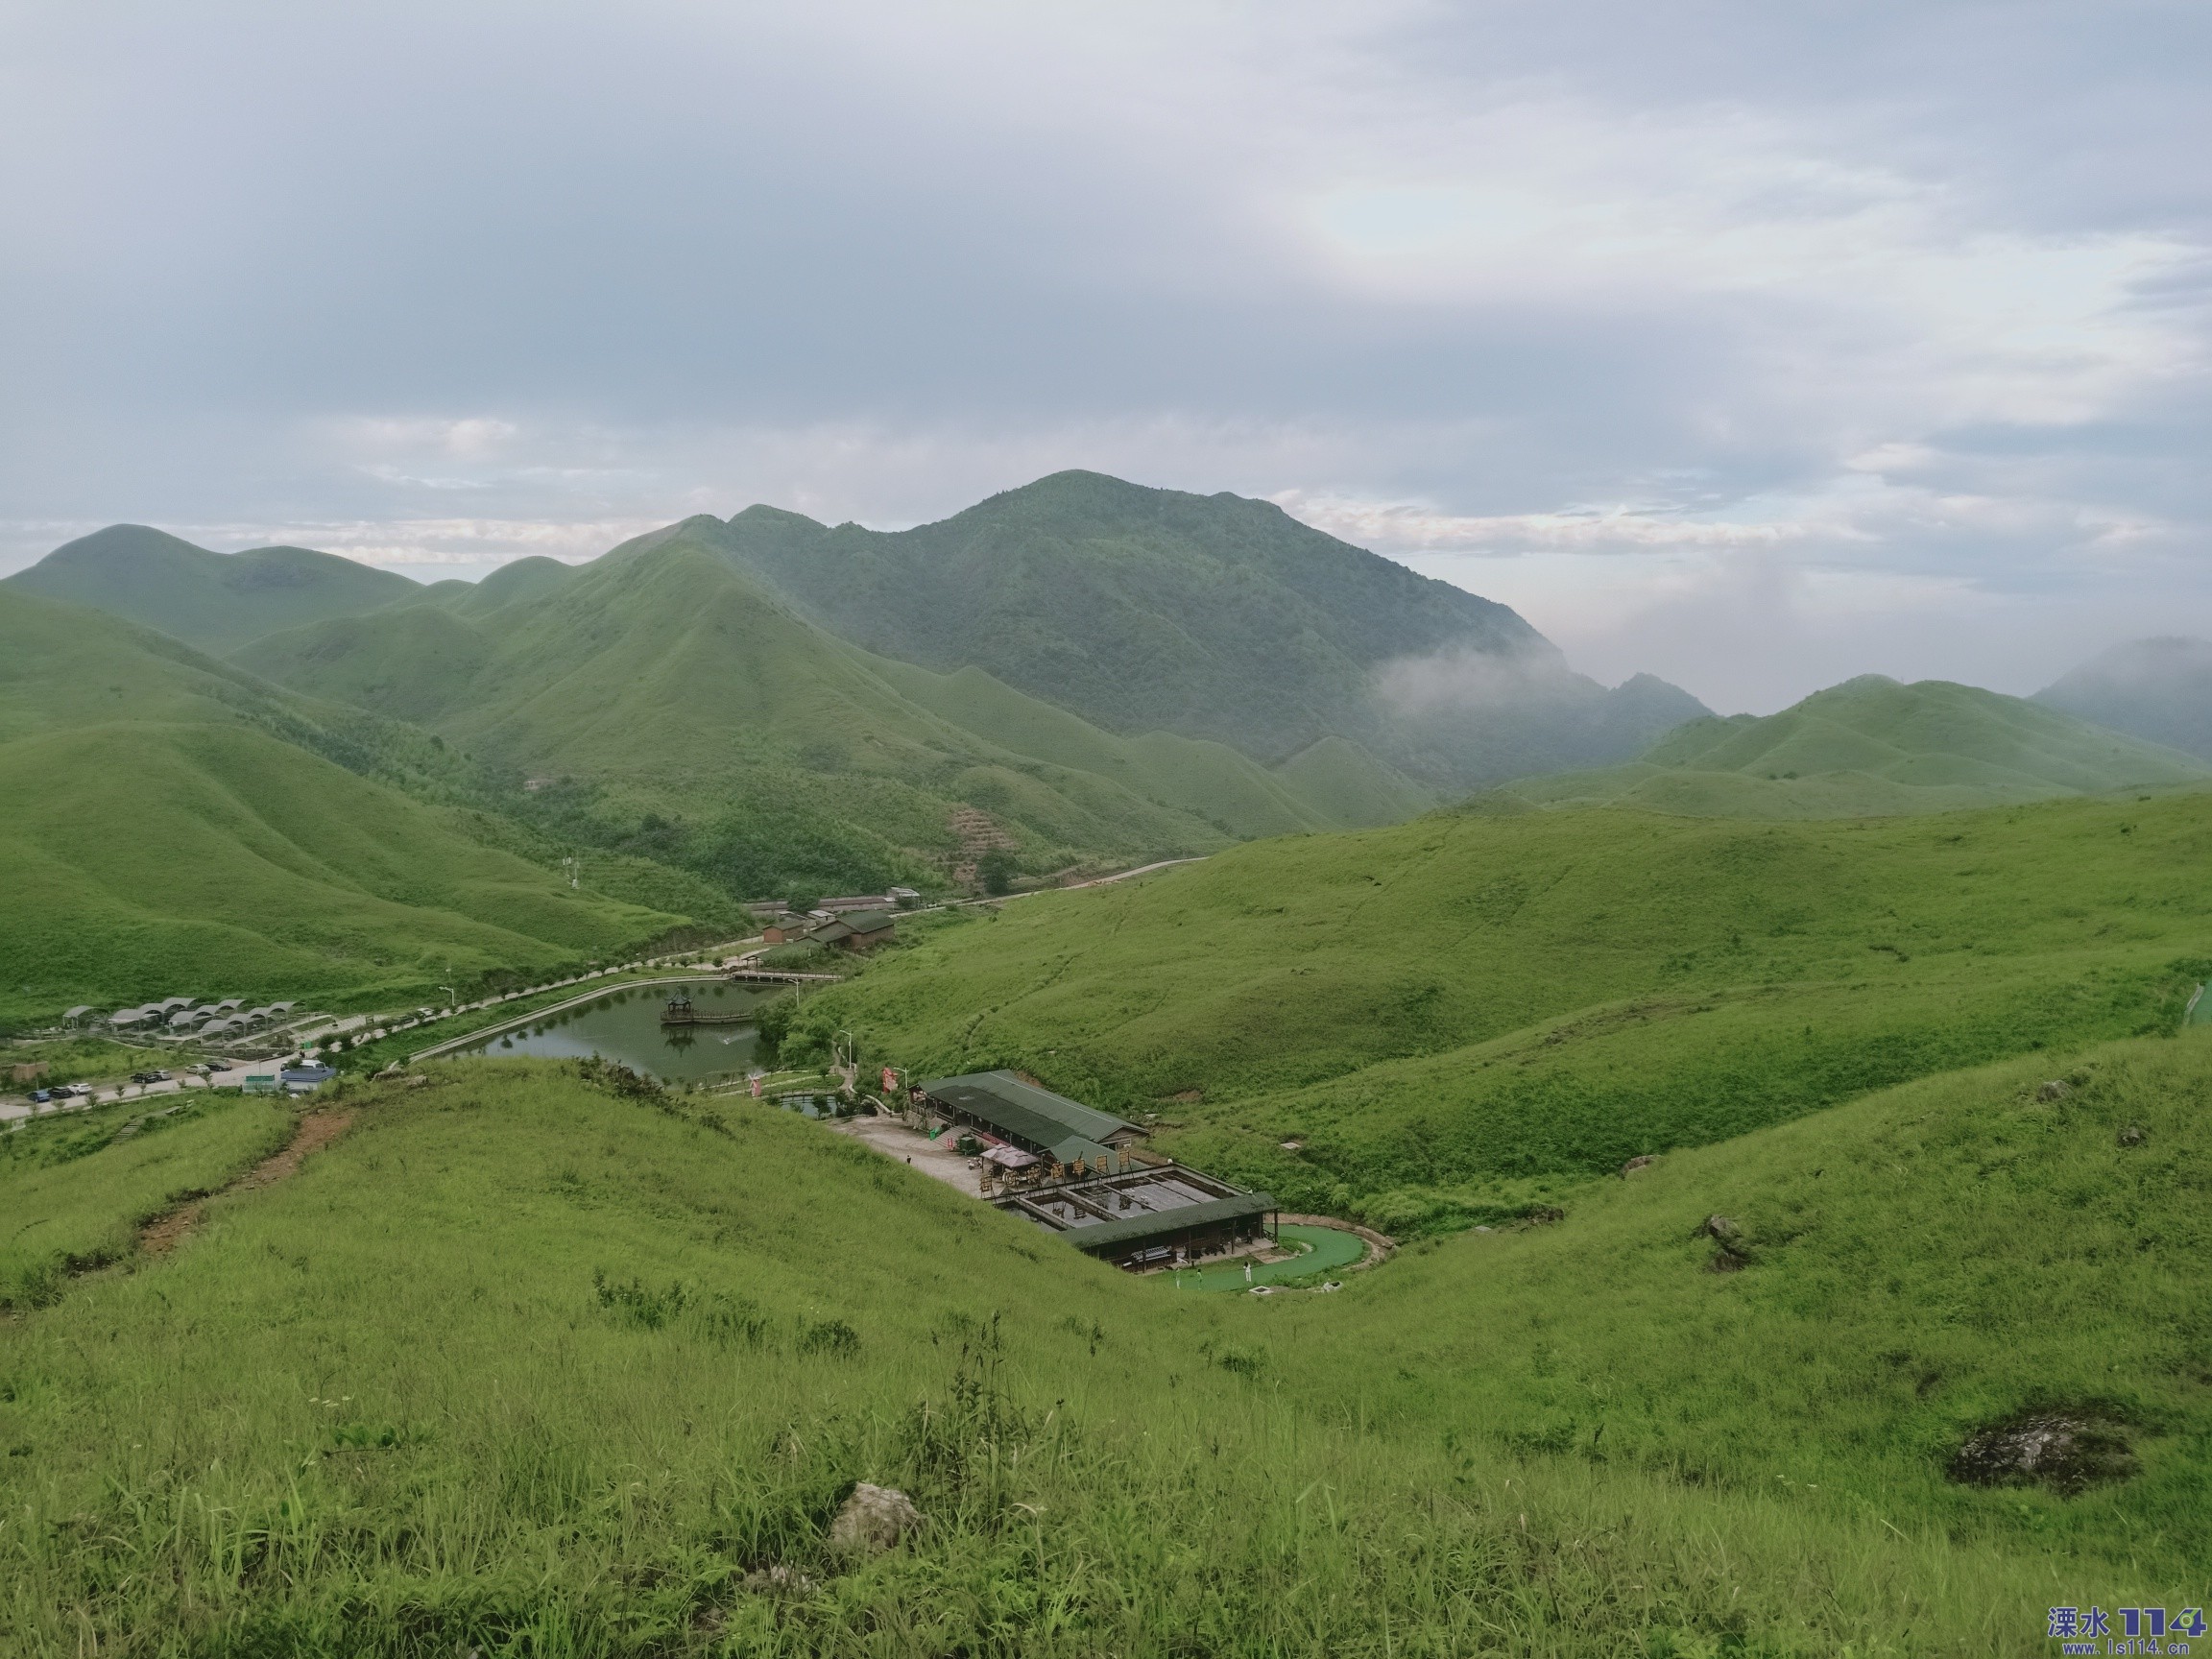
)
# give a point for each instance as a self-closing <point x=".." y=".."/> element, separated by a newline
<point x="1871" y="746"/>
<point x="73" y="1187"/>
<point x="525" y="1366"/>
<point x="176" y="828"/>
<point x="1469" y="1012"/>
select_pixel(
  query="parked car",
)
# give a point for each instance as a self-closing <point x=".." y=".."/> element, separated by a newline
<point x="40" y="1096"/>
<point x="74" y="1090"/>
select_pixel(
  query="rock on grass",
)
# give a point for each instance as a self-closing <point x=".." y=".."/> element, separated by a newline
<point x="2068" y="1451"/>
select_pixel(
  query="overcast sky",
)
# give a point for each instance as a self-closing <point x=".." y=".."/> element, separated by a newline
<point x="1753" y="345"/>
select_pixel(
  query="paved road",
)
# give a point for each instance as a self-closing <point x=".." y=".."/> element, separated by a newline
<point x="14" y="1111"/>
<point x="105" y="1094"/>
<point x="1140" y="870"/>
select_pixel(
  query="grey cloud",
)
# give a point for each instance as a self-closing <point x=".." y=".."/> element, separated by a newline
<point x="874" y="261"/>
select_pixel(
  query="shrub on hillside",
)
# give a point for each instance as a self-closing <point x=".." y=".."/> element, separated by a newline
<point x="1422" y="1213"/>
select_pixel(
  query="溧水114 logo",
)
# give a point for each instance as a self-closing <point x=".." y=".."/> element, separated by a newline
<point x="2125" y="1629"/>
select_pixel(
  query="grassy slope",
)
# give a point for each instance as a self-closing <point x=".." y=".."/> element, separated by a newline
<point x="1922" y="1262"/>
<point x="672" y="682"/>
<point x="214" y="601"/>
<point x="165" y="840"/>
<point x="411" y="662"/>
<point x="1211" y="780"/>
<point x="1349" y="787"/>
<point x="74" y="1059"/>
<point x="1871" y="746"/>
<point x="412" y="659"/>
<point x="1470" y="1001"/>
<point x="380" y="1408"/>
<point x="1139" y="609"/>
<point x="74" y="1188"/>
<point x="1210" y="616"/>
<point x="672" y="672"/>
<point x="517" y="582"/>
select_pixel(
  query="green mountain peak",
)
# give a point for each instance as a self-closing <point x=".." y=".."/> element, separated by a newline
<point x="216" y="601"/>
<point x="1871" y="746"/>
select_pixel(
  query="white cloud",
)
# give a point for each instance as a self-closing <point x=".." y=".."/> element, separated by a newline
<point x="468" y="546"/>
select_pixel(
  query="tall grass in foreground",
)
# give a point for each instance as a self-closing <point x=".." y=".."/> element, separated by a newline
<point x="523" y="1367"/>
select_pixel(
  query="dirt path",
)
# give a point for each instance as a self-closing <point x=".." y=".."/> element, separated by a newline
<point x="315" y="1131"/>
<point x="894" y="1141"/>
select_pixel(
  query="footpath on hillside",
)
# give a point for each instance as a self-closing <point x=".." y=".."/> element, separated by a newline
<point x="314" y="1131"/>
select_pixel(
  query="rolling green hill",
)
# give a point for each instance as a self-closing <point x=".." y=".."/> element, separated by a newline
<point x="537" y="1360"/>
<point x="1137" y="611"/>
<point x="412" y="662"/>
<point x="524" y="1365"/>
<point x="693" y="713"/>
<point x="1212" y="616"/>
<point x="1349" y="786"/>
<point x="1141" y="609"/>
<point x="2158" y="689"/>
<point x="214" y="601"/>
<point x="1459" y="1015"/>
<point x="1210" y="780"/>
<point x="176" y="824"/>
<point x="1871" y="746"/>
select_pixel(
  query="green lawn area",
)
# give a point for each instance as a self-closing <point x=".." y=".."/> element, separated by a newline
<point x="1321" y="1250"/>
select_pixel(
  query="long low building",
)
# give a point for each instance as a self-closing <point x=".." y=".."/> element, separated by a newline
<point x="1012" y="1109"/>
<point x="1156" y="1216"/>
<point x="1213" y="1228"/>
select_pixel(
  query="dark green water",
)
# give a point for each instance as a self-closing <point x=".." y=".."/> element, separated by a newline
<point x="625" y="1025"/>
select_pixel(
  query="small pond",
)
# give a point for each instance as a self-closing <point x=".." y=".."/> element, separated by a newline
<point x="625" y="1025"/>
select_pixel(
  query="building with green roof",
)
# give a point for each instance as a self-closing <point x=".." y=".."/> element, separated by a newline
<point x="1030" y="1117"/>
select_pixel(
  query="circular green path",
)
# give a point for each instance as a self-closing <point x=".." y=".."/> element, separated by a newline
<point x="1325" y="1248"/>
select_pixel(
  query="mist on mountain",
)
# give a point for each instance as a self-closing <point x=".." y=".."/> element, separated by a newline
<point x="2156" y="688"/>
